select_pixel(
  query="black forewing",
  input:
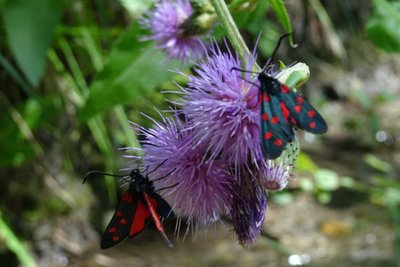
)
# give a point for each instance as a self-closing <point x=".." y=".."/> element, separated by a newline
<point x="275" y="128"/>
<point x="119" y="227"/>
<point x="303" y="115"/>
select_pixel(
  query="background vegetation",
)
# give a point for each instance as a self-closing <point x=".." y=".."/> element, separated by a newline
<point x="73" y="73"/>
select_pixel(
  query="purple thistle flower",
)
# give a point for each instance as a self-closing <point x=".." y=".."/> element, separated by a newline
<point x="201" y="190"/>
<point x="222" y="107"/>
<point x="276" y="174"/>
<point x="248" y="209"/>
<point x="274" y="178"/>
<point x="165" y="23"/>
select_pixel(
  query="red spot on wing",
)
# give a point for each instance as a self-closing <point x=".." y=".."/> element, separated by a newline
<point x="264" y="116"/>
<point x="292" y="120"/>
<point x="312" y="125"/>
<point x="123" y="221"/>
<point x="115" y="238"/>
<point x="297" y="108"/>
<point x="311" y="113"/>
<point x="299" y="99"/>
<point x="118" y="213"/>
<point x="285" y="110"/>
<point x="274" y="120"/>
<point x="266" y="97"/>
<point x="268" y="135"/>
<point x="285" y="89"/>
<point x="278" y="142"/>
<point x="141" y="215"/>
<point x="112" y="230"/>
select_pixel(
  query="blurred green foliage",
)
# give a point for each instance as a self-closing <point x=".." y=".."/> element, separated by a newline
<point x="15" y="245"/>
<point x="383" y="27"/>
<point x="30" y="26"/>
<point x="283" y="16"/>
<point x="127" y="74"/>
<point x="31" y="115"/>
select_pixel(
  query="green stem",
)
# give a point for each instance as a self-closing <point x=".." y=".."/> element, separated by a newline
<point x="232" y="31"/>
<point x="236" y="4"/>
<point x="394" y="212"/>
<point x="13" y="243"/>
<point x="126" y="128"/>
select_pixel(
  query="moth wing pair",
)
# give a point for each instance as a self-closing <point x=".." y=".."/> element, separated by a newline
<point x="131" y="216"/>
<point x="282" y="112"/>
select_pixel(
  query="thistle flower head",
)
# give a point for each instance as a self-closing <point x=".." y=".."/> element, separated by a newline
<point x="221" y="104"/>
<point x="274" y="178"/>
<point x="248" y="209"/>
<point x="165" y="23"/>
<point x="201" y="190"/>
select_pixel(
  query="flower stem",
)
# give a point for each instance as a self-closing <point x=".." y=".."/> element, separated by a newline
<point x="230" y="27"/>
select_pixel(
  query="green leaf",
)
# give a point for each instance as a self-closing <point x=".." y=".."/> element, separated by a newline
<point x="13" y="243"/>
<point x="2" y="3"/>
<point x="305" y="163"/>
<point x="16" y="76"/>
<point x="29" y="26"/>
<point x="392" y="196"/>
<point x="324" y="197"/>
<point x="15" y="154"/>
<point x="347" y="182"/>
<point x="281" y="12"/>
<point x="282" y="198"/>
<point x="307" y="185"/>
<point x="327" y="180"/>
<point x="35" y="112"/>
<point x="377" y="163"/>
<point x="383" y="27"/>
<point x="335" y="43"/>
<point x="133" y="69"/>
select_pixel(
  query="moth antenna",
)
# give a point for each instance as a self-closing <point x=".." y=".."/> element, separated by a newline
<point x="248" y="71"/>
<point x="100" y="172"/>
<point x="271" y="58"/>
<point x="162" y="177"/>
<point x="147" y="168"/>
<point x="167" y="187"/>
<point x="157" y="167"/>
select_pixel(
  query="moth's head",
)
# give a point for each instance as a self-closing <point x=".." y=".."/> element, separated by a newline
<point x="135" y="173"/>
<point x="265" y="78"/>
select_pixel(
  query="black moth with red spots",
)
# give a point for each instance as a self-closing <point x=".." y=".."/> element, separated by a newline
<point x="135" y="208"/>
<point x="282" y="109"/>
